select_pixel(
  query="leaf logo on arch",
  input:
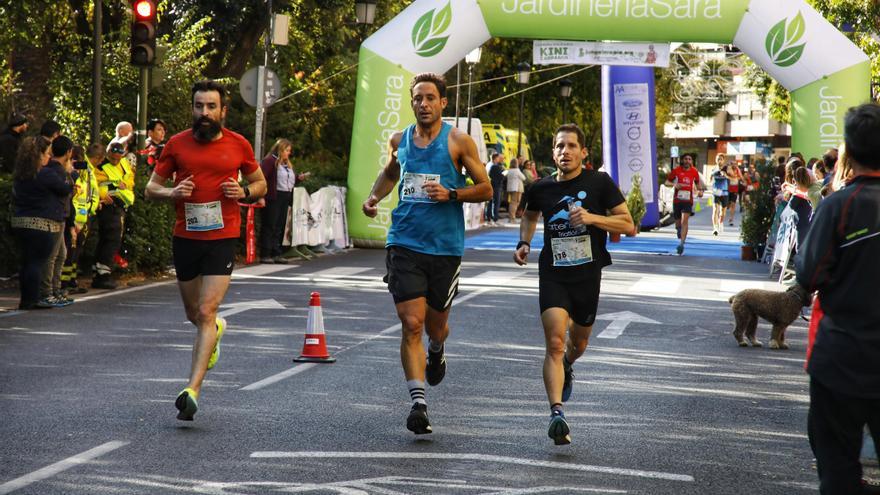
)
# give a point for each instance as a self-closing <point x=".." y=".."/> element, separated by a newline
<point x="426" y="34"/>
<point x="781" y="41"/>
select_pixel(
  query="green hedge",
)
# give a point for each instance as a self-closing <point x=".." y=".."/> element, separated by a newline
<point x="8" y="247"/>
<point x="148" y="225"/>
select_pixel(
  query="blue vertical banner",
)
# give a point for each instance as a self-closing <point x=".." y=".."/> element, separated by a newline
<point x="629" y="139"/>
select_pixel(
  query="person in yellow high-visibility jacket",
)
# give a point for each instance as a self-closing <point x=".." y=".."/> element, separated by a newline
<point x="115" y="178"/>
<point x="84" y="205"/>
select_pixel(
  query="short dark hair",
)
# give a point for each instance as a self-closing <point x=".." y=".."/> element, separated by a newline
<point x="61" y="145"/>
<point x="209" y="85"/>
<point x="829" y="161"/>
<point x="860" y="130"/>
<point x="431" y="77"/>
<point x="49" y="128"/>
<point x="95" y="150"/>
<point x="154" y="122"/>
<point x="495" y="155"/>
<point x="582" y="138"/>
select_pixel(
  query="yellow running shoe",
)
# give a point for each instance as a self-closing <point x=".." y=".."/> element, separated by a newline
<point x="187" y="405"/>
<point x="221" y="326"/>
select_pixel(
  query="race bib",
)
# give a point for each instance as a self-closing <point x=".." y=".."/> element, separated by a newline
<point x="413" y="187"/>
<point x="571" y="251"/>
<point x="683" y="194"/>
<point x="203" y="216"/>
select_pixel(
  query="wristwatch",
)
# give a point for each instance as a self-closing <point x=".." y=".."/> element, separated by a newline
<point x="453" y="195"/>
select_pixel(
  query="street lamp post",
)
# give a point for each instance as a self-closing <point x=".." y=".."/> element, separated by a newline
<point x="366" y="11"/>
<point x="523" y="71"/>
<point x="564" y="92"/>
<point x="472" y="58"/>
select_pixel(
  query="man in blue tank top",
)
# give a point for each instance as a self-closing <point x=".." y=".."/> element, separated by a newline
<point x="426" y="239"/>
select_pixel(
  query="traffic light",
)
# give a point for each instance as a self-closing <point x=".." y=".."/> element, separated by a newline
<point x="143" y="33"/>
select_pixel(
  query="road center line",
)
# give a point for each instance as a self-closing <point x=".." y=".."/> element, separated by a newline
<point x="295" y="370"/>
<point x="476" y="457"/>
<point x="60" y="466"/>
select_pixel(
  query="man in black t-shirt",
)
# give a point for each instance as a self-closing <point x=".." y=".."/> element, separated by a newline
<point x="575" y="204"/>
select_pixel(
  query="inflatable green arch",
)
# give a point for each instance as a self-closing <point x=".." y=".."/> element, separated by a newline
<point x="825" y="72"/>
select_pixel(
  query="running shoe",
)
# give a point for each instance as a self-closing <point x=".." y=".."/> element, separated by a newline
<point x="559" y="430"/>
<point x="436" y="366"/>
<point x="715" y="232"/>
<point x="679" y="249"/>
<point x="187" y="405"/>
<point x="569" y="380"/>
<point x="45" y="303"/>
<point x="417" y="422"/>
<point x="221" y="326"/>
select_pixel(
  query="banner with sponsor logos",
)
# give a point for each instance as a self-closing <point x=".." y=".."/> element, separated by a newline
<point x="824" y="70"/>
<point x="629" y="125"/>
<point x="600" y="53"/>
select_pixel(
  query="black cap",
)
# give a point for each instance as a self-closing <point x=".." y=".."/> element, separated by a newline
<point x="17" y="119"/>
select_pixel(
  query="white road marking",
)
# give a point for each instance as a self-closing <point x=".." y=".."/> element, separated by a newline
<point x="490" y="277"/>
<point x="378" y="486"/>
<point x="265" y="382"/>
<point x="475" y="457"/>
<point x="238" y="307"/>
<point x="64" y="465"/>
<point x="655" y="285"/>
<point x="731" y="287"/>
<point x="124" y="291"/>
<point x="341" y="271"/>
<point x="619" y="322"/>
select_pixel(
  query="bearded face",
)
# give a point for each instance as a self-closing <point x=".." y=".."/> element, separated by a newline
<point x="205" y="128"/>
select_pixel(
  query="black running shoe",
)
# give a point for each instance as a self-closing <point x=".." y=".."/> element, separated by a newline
<point x="436" y="367"/>
<point x="417" y="422"/>
<point x="569" y="380"/>
<point x="558" y="429"/>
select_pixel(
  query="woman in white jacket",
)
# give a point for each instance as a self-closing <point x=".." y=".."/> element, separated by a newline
<point x="515" y="179"/>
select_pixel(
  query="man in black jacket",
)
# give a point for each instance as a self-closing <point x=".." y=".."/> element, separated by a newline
<point x="839" y="261"/>
<point x="496" y="177"/>
<point x="9" y="141"/>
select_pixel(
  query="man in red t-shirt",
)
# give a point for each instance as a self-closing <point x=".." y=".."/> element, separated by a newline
<point x="204" y="164"/>
<point x="685" y="179"/>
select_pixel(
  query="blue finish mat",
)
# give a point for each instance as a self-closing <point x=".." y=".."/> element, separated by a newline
<point x="505" y="240"/>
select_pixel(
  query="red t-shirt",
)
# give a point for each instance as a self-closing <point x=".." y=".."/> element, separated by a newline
<point x="209" y="164"/>
<point x="684" y="188"/>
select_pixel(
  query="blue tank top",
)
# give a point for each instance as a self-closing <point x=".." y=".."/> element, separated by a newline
<point x="418" y="223"/>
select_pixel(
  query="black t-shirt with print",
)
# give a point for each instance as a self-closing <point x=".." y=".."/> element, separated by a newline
<point x="573" y="253"/>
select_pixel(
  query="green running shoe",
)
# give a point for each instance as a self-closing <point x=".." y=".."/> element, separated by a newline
<point x="221" y="326"/>
<point x="187" y="405"/>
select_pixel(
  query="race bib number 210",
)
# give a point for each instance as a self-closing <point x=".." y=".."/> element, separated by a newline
<point x="412" y="189"/>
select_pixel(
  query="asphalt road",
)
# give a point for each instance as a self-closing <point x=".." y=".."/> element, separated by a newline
<point x="669" y="406"/>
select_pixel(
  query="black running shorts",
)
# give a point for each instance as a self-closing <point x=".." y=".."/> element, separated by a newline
<point x="580" y="299"/>
<point x="679" y="208"/>
<point x="733" y="196"/>
<point x="412" y="275"/>
<point x="195" y="257"/>
<point x="721" y="201"/>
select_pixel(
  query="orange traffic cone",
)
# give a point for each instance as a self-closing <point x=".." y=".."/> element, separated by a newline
<point x="315" y="345"/>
